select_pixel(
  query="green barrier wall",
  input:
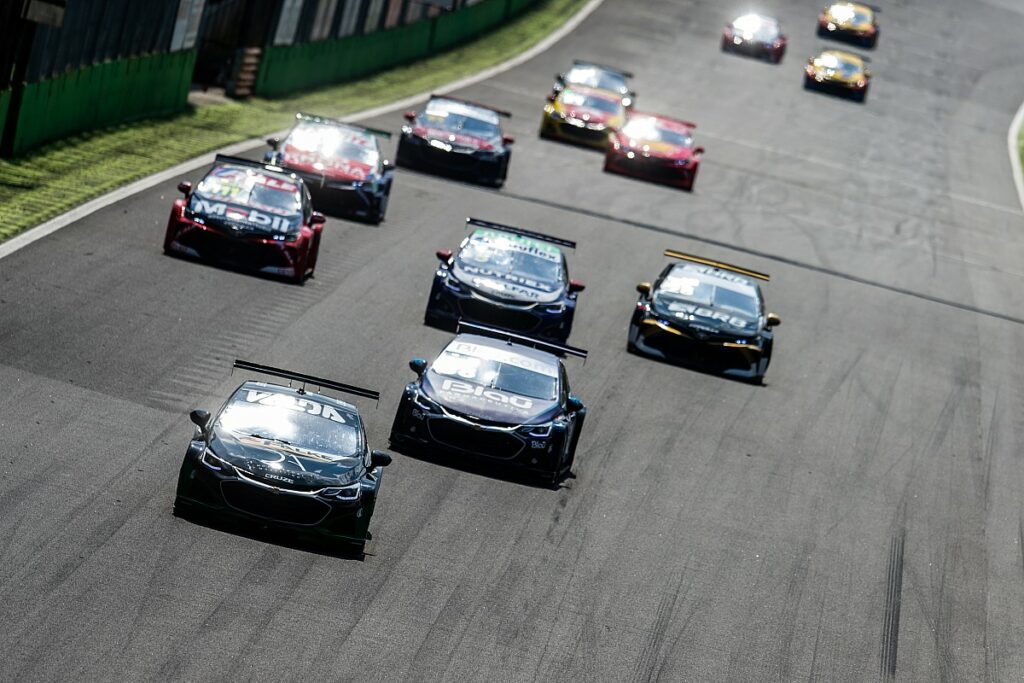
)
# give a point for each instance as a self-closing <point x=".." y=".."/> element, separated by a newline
<point x="293" y="68"/>
<point x="5" y="100"/>
<point x="102" y="95"/>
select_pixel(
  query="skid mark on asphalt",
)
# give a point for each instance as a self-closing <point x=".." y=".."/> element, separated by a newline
<point x="891" y="615"/>
<point x="778" y="258"/>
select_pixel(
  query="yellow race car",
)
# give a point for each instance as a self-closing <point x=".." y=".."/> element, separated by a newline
<point x="850" y="20"/>
<point x="839" y="72"/>
<point x="584" y="116"/>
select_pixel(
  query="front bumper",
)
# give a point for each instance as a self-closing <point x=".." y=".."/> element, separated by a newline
<point x="422" y="425"/>
<point x="241" y="499"/>
<point x="362" y="199"/>
<point x="419" y="153"/>
<point x="555" y="127"/>
<point x="652" y="337"/>
<point x="666" y="172"/>
<point x="270" y="256"/>
<point x="446" y="306"/>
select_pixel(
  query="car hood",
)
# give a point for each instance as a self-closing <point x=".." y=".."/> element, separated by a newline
<point x="282" y="465"/>
<point x="504" y="286"/>
<point x="706" y="320"/>
<point x="491" y="405"/>
<point x="456" y="139"/>
<point x="242" y="219"/>
<point x="331" y="167"/>
<point x="656" y="148"/>
<point x="589" y="115"/>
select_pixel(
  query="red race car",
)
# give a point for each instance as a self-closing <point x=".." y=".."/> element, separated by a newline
<point x="247" y="214"/>
<point x="757" y="35"/>
<point x="656" y="148"/>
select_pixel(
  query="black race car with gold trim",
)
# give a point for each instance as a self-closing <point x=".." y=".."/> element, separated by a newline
<point x="285" y="457"/>
<point x="838" y="72"/>
<point x="496" y="397"/>
<point x="850" y="21"/>
<point x="705" y="313"/>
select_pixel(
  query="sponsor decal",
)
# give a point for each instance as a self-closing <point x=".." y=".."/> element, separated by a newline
<point x="491" y="395"/>
<point x="510" y="282"/>
<point x="685" y="310"/>
<point x="242" y="214"/>
<point x="301" y="405"/>
<point x="476" y="351"/>
<point x="721" y="274"/>
<point x="518" y="243"/>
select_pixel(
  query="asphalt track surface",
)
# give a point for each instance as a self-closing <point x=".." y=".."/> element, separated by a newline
<point x="857" y="518"/>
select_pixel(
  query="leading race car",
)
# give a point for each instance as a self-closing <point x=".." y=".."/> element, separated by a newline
<point x="851" y="21"/>
<point x="757" y="35"/>
<point x="591" y="75"/>
<point x="341" y="163"/>
<point x="842" y="73"/>
<point x="290" y="458"/>
<point x="248" y="214"/>
<point x="495" y="396"/>
<point x="655" y="148"/>
<point x="584" y="116"/>
<point x="505" y="277"/>
<point x="705" y="313"/>
<point x="457" y="137"/>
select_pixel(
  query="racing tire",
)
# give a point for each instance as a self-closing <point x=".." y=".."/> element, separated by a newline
<point x="402" y="157"/>
<point x="822" y="31"/>
<point x="860" y="96"/>
<point x="871" y="42"/>
<point x="380" y="210"/>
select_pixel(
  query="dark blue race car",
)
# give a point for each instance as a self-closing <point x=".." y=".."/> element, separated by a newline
<point x="497" y="397"/>
<point x="505" y="277"/>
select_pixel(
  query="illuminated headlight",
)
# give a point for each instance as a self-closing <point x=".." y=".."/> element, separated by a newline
<point x="452" y="283"/>
<point x="215" y="463"/>
<point x="681" y="162"/>
<point x="351" y="493"/>
<point x="831" y="26"/>
<point x="423" y="402"/>
<point x="553" y="308"/>
<point x="575" y="122"/>
<point x="443" y="146"/>
<point x="539" y="431"/>
<point x="596" y="126"/>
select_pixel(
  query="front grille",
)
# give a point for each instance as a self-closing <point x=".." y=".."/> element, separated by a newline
<point x="659" y="169"/>
<point x="454" y="160"/>
<point x="584" y="134"/>
<point x="238" y="248"/>
<point x="277" y="506"/>
<point x="494" y="314"/>
<point x="492" y="443"/>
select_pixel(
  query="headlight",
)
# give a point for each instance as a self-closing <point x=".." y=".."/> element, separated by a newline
<point x="423" y="402"/>
<point x="553" y="308"/>
<point x="215" y="463"/>
<point x="538" y="431"/>
<point x="350" y="493"/>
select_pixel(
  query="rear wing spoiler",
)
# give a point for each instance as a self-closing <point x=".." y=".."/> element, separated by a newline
<point x="569" y="244"/>
<point x="228" y="159"/>
<point x="671" y="253"/>
<point x="306" y="379"/>
<point x="521" y="339"/>
<point x="586" y="62"/>
<point x="327" y="119"/>
<point x="499" y="112"/>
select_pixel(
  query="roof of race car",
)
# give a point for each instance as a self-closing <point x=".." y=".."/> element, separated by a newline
<point x="666" y="122"/>
<point x="445" y="106"/>
<point x="754" y="22"/>
<point x="847" y="11"/>
<point x="709" y="274"/>
<point x="505" y="352"/>
<point x="587" y="91"/>
<point x="284" y="177"/>
<point x="508" y="241"/>
<point x="836" y="59"/>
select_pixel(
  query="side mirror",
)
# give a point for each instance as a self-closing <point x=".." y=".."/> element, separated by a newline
<point x="317" y="218"/>
<point x="573" y="404"/>
<point x="379" y="459"/>
<point x="185" y="187"/>
<point x="507" y="139"/>
<point x="552" y="97"/>
<point x="810" y="60"/>
<point x="410" y="116"/>
<point x="274" y="143"/>
<point x="559" y="78"/>
<point x="200" y="418"/>
<point x="386" y="164"/>
<point x="771" y="320"/>
<point x="418" y="365"/>
<point x="867" y="73"/>
<point x="644" y="288"/>
<point x="444" y="255"/>
<point x="698" y="150"/>
<point x="576" y="286"/>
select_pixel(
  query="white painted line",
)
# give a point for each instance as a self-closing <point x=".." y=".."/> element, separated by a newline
<point x="1014" y="147"/>
<point x="54" y="224"/>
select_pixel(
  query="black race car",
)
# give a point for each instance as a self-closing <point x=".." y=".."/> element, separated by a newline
<point x="496" y="396"/>
<point x="291" y="458"/>
<point x="705" y="313"/>
<point x="342" y="164"/>
<point x="592" y="75"/>
<point x="505" y="277"/>
<point x="456" y="137"/>
<point x="247" y="214"/>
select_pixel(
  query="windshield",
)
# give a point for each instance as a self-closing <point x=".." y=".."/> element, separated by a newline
<point x="455" y="117"/>
<point x="574" y="98"/>
<point x="845" y="14"/>
<point x="833" y="62"/>
<point x="594" y="77"/>
<point x="492" y="373"/>
<point x="304" y="426"/>
<point x="643" y="128"/>
<point x="329" y="140"/>
<point x="497" y="253"/>
<point x="757" y="27"/>
<point x="689" y="285"/>
<point x="246" y="186"/>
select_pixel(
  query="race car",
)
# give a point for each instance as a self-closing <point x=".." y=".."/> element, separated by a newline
<point x="495" y="397"/>
<point x="757" y="35"/>
<point x="457" y="137"/>
<point x="655" y="148"/>
<point x="341" y="163"/>
<point x="505" y="277"/>
<point x="581" y="115"/>
<point x="247" y="214"/>
<point x="839" y="72"/>
<point x="705" y="313"/>
<point x="590" y="75"/>
<point x="851" y="21"/>
<point x="284" y="457"/>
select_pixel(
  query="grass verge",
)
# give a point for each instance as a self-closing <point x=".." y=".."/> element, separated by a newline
<point x="64" y="174"/>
